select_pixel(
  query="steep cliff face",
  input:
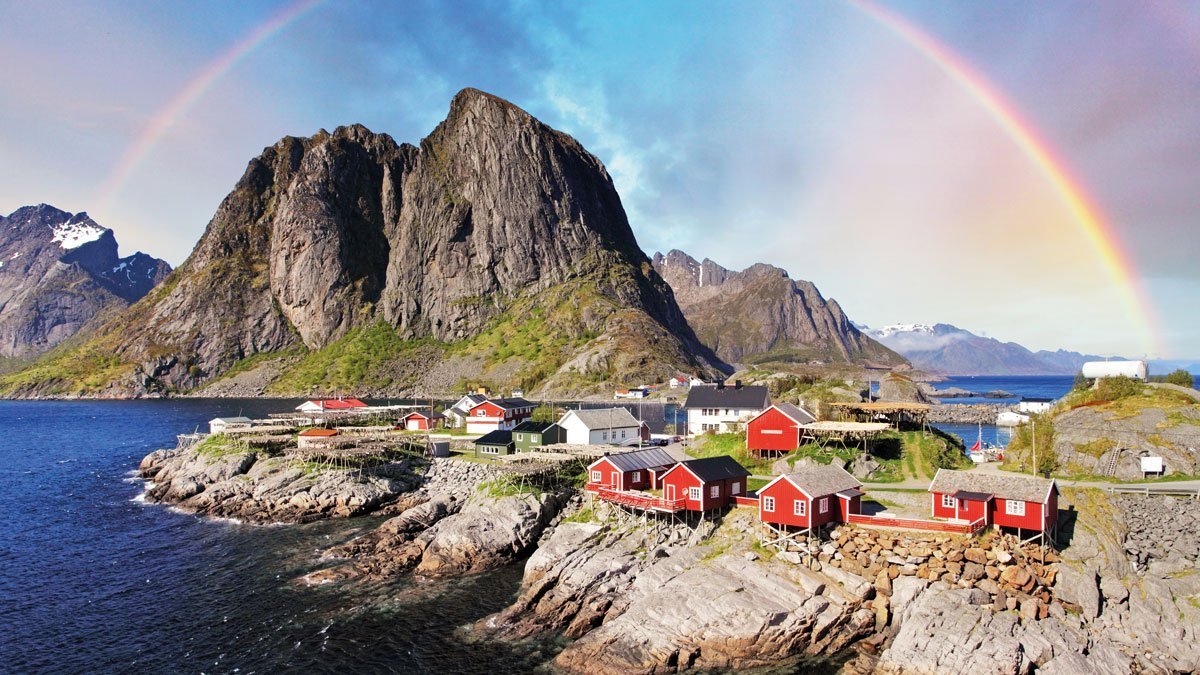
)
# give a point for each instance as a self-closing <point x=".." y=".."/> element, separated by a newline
<point x="58" y="273"/>
<point x="761" y="315"/>
<point x="499" y="245"/>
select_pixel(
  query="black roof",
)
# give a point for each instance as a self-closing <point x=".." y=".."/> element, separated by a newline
<point x="511" y="402"/>
<point x="716" y="468"/>
<point x="1036" y="399"/>
<point x="972" y="496"/>
<point x="497" y="437"/>
<point x="651" y="458"/>
<point x="712" y="396"/>
<point x="529" y="426"/>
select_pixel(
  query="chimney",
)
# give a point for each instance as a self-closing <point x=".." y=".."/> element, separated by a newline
<point x="720" y="384"/>
<point x="737" y="384"/>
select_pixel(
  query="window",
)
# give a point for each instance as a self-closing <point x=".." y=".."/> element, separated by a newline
<point x="604" y="435"/>
<point x="480" y="413"/>
<point x="490" y="450"/>
<point x="768" y="504"/>
<point x="637" y="476"/>
<point x="799" y="507"/>
<point x="772" y="431"/>
<point x="824" y="505"/>
<point x="622" y="433"/>
<point x="520" y="437"/>
<point x="694" y="494"/>
<point x="714" y="491"/>
<point x="947" y="501"/>
<point x="595" y="476"/>
<point x="735" y="489"/>
<point x="1014" y="507"/>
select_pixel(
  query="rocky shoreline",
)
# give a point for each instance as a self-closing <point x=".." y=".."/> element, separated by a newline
<point x="966" y="413"/>
<point x="645" y="596"/>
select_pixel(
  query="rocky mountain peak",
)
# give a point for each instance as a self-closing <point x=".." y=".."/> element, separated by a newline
<point x="761" y="314"/>
<point x="58" y="271"/>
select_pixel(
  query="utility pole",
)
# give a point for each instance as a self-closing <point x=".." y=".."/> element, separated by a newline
<point x="1033" y="444"/>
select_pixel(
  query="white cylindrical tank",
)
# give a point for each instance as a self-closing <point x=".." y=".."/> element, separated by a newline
<point x="1097" y="369"/>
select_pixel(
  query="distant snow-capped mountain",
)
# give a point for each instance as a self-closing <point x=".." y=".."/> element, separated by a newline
<point x="942" y="348"/>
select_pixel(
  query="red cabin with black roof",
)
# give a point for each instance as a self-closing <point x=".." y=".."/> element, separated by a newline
<point x="705" y="484"/>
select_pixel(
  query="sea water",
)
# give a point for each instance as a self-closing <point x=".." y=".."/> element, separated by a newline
<point x="1043" y="386"/>
<point x="92" y="579"/>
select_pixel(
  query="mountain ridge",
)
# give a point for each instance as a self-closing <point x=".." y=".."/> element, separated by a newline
<point x="761" y="315"/>
<point x="498" y="246"/>
<point x="948" y="350"/>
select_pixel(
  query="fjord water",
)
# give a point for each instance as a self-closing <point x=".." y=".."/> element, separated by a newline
<point x="93" y="580"/>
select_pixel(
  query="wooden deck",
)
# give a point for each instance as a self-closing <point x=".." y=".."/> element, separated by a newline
<point x="953" y="527"/>
<point x="638" y="500"/>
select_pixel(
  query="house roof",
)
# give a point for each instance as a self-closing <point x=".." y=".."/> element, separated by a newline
<point x="318" y="433"/>
<point x="506" y="403"/>
<point x="427" y="414"/>
<point x="230" y="420"/>
<point x="1004" y="486"/>
<point x="605" y="418"/>
<point x="531" y="427"/>
<point x="973" y="496"/>
<point x="470" y="401"/>
<point x="335" y="403"/>
<point x="712" y="396"/>
<point x="641" y="459"/>
<point x="821" y="479"/>
<point x="711" y="469"/>
<point x="497" y="437"/>
<point x="795" y="413"/>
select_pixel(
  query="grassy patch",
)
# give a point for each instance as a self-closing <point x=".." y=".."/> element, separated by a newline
<point x="255" y="360"/>
<point x="220" y="445"/>
<point x="584" y="515"/>
<point x="505" y="486"/>
<point x="357" y="359"/>
<point x="754" y="484"/>
<point x="1096" y="448"/>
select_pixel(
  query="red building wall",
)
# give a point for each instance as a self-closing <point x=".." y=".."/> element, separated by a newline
<point x="679" y="480"/>
<point x="1032" y="520"/>
<point x="848" y="506"/>
<point x="759" y="434"/>
<point x="785" y="495"/>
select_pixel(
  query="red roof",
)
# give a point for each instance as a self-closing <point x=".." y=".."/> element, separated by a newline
<point x="340" y="403"/>
<point x="320" y="433"/>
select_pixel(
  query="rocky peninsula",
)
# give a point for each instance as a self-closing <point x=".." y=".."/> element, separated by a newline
<point x="633" y="595"/>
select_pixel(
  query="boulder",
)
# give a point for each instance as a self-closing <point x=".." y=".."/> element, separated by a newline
<point x="1078" y="587"/>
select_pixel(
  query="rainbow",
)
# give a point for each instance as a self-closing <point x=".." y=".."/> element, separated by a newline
<point x="191" y="92"/>
<point x="1099" y="233"/>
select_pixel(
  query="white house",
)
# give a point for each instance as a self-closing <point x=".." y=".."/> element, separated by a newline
<point x="331" y="405"/>
<point x="639" y="392"/>
<point x="604" y="426"/>
<point x="1008" y="418"/>
<point x="677" y="382"/>
<point x="1035" y="405"/>
<point x="719" y="407"/>
<point x="218" y="425"/>
<point x="456" y="415"/>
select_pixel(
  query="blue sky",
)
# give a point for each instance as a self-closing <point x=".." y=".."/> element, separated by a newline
<point x="801" y="134"/>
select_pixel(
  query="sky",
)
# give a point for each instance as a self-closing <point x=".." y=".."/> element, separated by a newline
<point x="916" y="160"/>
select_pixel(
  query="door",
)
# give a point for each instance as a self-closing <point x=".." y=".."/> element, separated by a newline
<point x="616" y="480"/>
<point x="670" y="492"/>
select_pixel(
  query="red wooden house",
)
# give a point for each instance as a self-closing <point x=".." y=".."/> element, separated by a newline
<point x="421" y="420"/>
<point x="497" y="414"/>
<point x="640" y="470"/>
<point x="810" y="497"/>
<point x="776" y="429"/>
<point x="705" y="484"/>
<point x="1027" y="504"/>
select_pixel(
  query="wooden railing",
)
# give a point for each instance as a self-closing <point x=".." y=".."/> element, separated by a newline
<point x="640" y="500"/>
<point x="918" y="524"/>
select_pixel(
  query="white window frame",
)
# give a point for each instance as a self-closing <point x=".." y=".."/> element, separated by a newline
<point x="799" y="507"/>
<point x="714" y="492"/>
<point x="768" y="504"/>
<point x="947" y="501"/>
<point x="520" y="437"/>
<point x="735" y="489"/>
<point x="1014" y="507"/>
<point x="773" y="432"/>
<point x="597" y="476"/>
<point x="636" y="477"/>
<point x="489" y="450"/>
<point x="823" y="505"/>
<point x="694" y="494"/>
<point x="604" y="435"/>
<point x="481" y="413"/>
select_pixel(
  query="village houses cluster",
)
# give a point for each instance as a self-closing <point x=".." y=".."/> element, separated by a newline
<point x="633" y="471"/>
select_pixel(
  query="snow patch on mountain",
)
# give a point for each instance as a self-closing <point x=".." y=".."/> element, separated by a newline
<point x="76" y="232"/>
